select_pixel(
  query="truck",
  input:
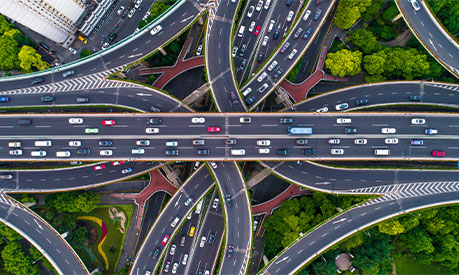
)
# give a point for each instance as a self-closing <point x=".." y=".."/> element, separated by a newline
<point x="299" y="130"/>
<point x="199" y="207"/>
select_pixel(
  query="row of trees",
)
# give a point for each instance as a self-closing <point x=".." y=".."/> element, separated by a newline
<point x="16" y="50"/>
<point x="448" y="13"/>
<point x="156" y="10"/>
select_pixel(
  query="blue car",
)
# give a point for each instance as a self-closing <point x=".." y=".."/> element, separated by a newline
<point x="4" y="99"/>
<point x="127" y="170"/>
<point x="307" y="33"/>
<point x="276" y="34"/>
<point x="250" y="100"/>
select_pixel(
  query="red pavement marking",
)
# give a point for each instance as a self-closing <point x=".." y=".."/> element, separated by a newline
<point x="267" y="207"/>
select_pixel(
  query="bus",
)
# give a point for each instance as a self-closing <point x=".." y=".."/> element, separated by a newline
<point x="199" y="207"/>
<point x="299" y="130"/>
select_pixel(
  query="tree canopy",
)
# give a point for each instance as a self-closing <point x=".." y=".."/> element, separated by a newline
<point x="29" y="58"/>
<point x="73" y="201"/>
<point x="15" y="260"/>
<point x="349" y="11"/>
<point x="365" y="41"/>
<point x="448" y="13"/>
<point x="344" y="62"/>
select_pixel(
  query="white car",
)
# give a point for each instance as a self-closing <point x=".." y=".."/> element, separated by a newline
<point x="322" y="110"/>
<point x="175" y="267"/>
<point x="263" y="150"/>
<point x="290" y="16"/>
<point x="250" y="12"/>
<point x="342" y="106"/>
<point x="173" y="247"/>
<point x="415" y="5"/>
<point x="263" y="142"/>
<point x="198" y="120"/>
<point x="75" y="120"/>
<point x="272" y="66"/>
<point x="235" y="48"/>
<point x="72" y="50"/>
<point x="138" y="151"/>
<point x="15" y="152"/>
<point x="418" y="121"/>
<point x="306" y="15"/>
<point x="261" y="77"/>
<point x="199" y="50"/>
<point x="215" y="204"/>
<point x="203" y="241"/>
<point x="360" y="141"/>
<point x="213" y="165"/>
<point x="388" y="130"/>
<point x="391" y="140"/>
<point x="252" y="26"/>
<point x="337" y="151"/>
<point x="152" y="130"/>
<point x="75" y="143"/>
<point x="156" y="29"/>
<point x="120" y="10"/>
<point x="259" y="5"/>
<point x="106" y="152"/>
<point x="265" y="41"/>
<point x="106" y="45"/>
<point x="334" y="141"/>
<point x="292" y="54"/>
<point x="267" y="4"/>
<point x="131" y="13"/>
<point x="343" y="120"/>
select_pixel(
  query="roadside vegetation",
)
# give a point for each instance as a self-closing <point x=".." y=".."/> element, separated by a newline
<point x="156" y="10"/>
<point x="447" y="11"/>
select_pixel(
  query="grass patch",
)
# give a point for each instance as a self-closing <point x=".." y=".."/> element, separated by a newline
<point x="407" y="265"/>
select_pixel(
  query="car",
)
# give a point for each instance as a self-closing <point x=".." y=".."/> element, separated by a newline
<point x="73" y="51"/>
<point x="267" y="4"/>
<point x="360" y="141"/>
<point x="203" y="241"/>
<point x="68" y="73"/>
<point x="306" y="15"/>
<point x="250" y="100"/>
<point x="138" y="151"/>
<point x="83" y="151"/>
<point x="273" y="64"/>
<point x="301" y="141"/>
<point x="260" y="57"/>
<point x="146" y="15"/>
<point x="131" y="12"/>
<point x="230" y="141"/>
<point x="165" y="239"/>
<point x="213" y="165"/>
<point x="297" y="33"/>
<point x="250" y="11"/>
<point x="341" y="106"/>
<point x="415" y="5"/>
<point x="171" y="143"/>
<point x="198" y="142"/>
<point x="47" y="98"/>
<point x="229" y="251"/>
<point x="271" y="25"/>
<point x="362" y="101"/>
<point x="142" y="142"/>
<point x="127" y="170"/>
<point x="228" y="200"/>
<point x="257" y="30"/>
<point x="284" y="152"/>
<point x="198" y="120"/>
<point x="155" y="121"/>
<point x="391" y="141"/>
<point x="343" y="120"/>
<point x="14" y="144"/>
<point x="105" y="45"/>
<point x="234" y="52"/>
<point x="334" y="141"/>
<point x="215" y="203"/>
<point x="234" y="97"/>
<point x="307" y="33"/>
<point x="418" y="121"/>
<point x="75" y="143"/>
<point x="120" y="10"/>
<point x="245" y="119"/>
<point x="318" y="13"/>
<point x="350" y="130"/>
<point x="430" y="131"/>
<point x="251" y="26"/>
<point x="415" y="98"/>
<point x="167" y="266"/>
<point x="91" y="130"/>
<point x="337" y="151"/>
<point x="243" y="48"/>
<point x="278" y="73"/>
<point x="261" y="77"/>
<point x="309" y="151"/>
<point x="156" y="253"/>
<point x="6" y="176"/>
<point x="322" y="110"/>
<point x="438" y="153"/>
<point x="82" y="99"/>
<point x="243" y="63"/>
<point x="289" y="2"/>
<point x="188" y="201"/>
<point x="263" y="142"/>
<point x="99" y="167"/>
<point x="105" y="142"/>
<point x="175" y="267"/>
<point x="284" y="47"/>
<point x="137" y="4"/>
<point x="213" y="129"/>
<point x="292" y="54"/>
<point x="259" y="5"/>
<point x="388" y="130"/>
<point x="263" y="150"/>
<point x="290" y="16"/>
<point x="286" y="120"/>
<point x="185" y="258"/>
<point x="192" y="230"/>
<point x="108" y="122"/>
<point x="152" y="130"/>
<point x="173" y="247"/>
<point x="15" y="152"/>
<point x="116" y="163"/>
<point x="75" y="120"/>
<point x="417" y="142"/>
<point x="4" y="99"/>
<point x="265" y="41"/>
<point x="37" y="80"/>
<point x="276" y="34"/>
<point x="264" y="86"/>
<point x="156" y="29"/>
<point x="105" y="152"/>
<point x="204" y="152"/>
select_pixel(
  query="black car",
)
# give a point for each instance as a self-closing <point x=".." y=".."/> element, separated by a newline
<point x="415" y="98"/>
<point x="233" y="97"/>
<point x="230" y="141"/>
<point x="154" y="121"/>
<point x="156" y="253"/>
<point x="211" y="238"/>
<point x="286" y="120"/>
<point x="171" y="152"/>
<point x="24" y="121"/>
<point x="309" y="151"/>
<point x="203" y="152"/>
<point x="113" y="36"/>
<point x="228" y="200"/>
<point x="250" y="100"/>
<point x="301" y="141"/>
<point x="47" y="98"/>
<point x="37" y="80"/>
<point x="105" y="142"/>
<point x="284" y="152"/>
<point x="260" y="57"/>
<point x="83" y="151"/>
<point x="350" y="130"/>
<point x="362" y="101"/>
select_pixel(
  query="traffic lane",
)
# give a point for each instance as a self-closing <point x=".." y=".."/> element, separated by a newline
<point x="72" y="178"/>
<point x="239" y="219"/>
<point x="196" y="186"/>
<point x="353" y="220"/>
<point x="39" y="233"/>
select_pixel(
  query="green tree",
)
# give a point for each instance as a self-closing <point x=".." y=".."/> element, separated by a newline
<point x="374" y="256"/>
<point x="25" y="198"/>
<point x="375" y="78"/>
<point x="4" y="25"/>
<point x="35" y="254"/>
<point x="344" y="62"/>
<point x="86" y="202"/>
<point x="353" y="241"/>
<point x="73" y="202"/>
<point x="349" y="11"/>
<point x="375" y="63"/>
<point x="391" y="227"/>
<point x="29" y="57"/>
<point x="23" y="40"/>
<point x="15" y="260"/>
<point x="8" y="53"/>
<point x="390" y="13"/>
<point x="372" y="11"/>
<point x="418" y="240"/>
<point x="80" y="237"/>
<point x="365" y="41"/>
<point x="85" y="52"/>
<point x="9" y="233"/>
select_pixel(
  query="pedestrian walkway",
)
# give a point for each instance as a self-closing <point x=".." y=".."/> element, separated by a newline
<point x="299" y="91"/>
<point x="180" y="66"/>
<point x="268" y="207"/>
<point x="157" y="183"/>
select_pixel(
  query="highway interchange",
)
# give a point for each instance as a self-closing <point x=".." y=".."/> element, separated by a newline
<point x="227" y="174"/>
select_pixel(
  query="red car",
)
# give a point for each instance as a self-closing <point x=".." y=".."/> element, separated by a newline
<point x="213" y="129"/>
<point x="116" y="163"/>
<point x="108" y="122"/>
<point x="257" y="30"/>
<point x="165" y="239"/>
<point x="99" y="167"/>
<point x="438" y="153"/>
